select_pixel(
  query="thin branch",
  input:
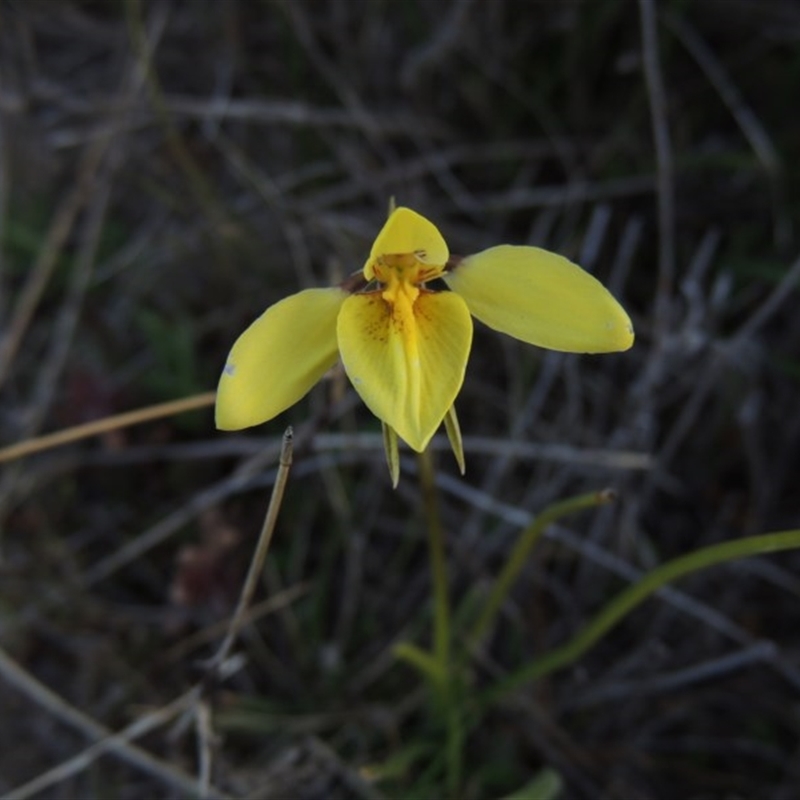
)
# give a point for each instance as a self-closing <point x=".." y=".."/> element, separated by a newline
<point x="42" y="269"/>
<point x="106" y="742"/>
<point x="257" y="562"/>
<point x="438" y="48"/>
<point x="749" y="124"/>
<point x="205" y="746"/>
<point x="665" y="176"/>
<point x="95" y="427"/>
<point x="711" y="669"/>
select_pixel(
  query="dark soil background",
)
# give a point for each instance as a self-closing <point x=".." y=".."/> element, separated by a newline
<point x="170" y="168"/>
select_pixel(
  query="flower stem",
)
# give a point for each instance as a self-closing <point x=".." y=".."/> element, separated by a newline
<point x="441" y="623"/>
<point x="441" y="601"/>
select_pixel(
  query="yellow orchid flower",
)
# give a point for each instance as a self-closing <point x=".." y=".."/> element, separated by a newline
<point x="404" y="345"/>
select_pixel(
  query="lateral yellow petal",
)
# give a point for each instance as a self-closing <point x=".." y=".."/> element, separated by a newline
<point x="406" y="363"/>
<point x="543" y="299"/>
<point x="404" y="232"/>
<point x="279" y="358"/>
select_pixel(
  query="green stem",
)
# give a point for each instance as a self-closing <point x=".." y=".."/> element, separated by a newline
<point x="628" y="599"/>
<point x="441" y="623"/>
<point x="522" y="550"/>
<point x="441" y="602"/>
<point x="424" y="662"/>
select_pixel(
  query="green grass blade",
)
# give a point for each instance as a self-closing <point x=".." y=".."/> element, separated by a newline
<point x="631" y="597"/>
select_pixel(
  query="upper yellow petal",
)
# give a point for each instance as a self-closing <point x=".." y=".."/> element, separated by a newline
<point x="543" y="299"/>
<point x="407" y="359"/>
<point x="279" y="358"/>
<point x="406" y="232"/>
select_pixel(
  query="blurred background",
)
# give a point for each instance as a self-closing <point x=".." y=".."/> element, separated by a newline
<point x="170" y="168"/>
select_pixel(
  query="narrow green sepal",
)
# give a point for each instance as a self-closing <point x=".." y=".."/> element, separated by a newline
<point x="454" y="436"/>
<point x="392" y="453"/>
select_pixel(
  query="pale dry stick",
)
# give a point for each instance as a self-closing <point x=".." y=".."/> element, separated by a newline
<point x="355" y="162"/>
<point x="276" y="200"/>
<point x="664" y="165"/>
<point x="566" y="454"/>
<point x="93" y="155"/>
<point x="438" y="48"/>
<point x="411" y="169"/>
<point x="67" y="320"/>
<point x="505" y="458"/>
<point x="136" y="250"/>
<point x="438" y="168"/>
<point x="623" y="258"/>
<point x="106" y="148"/>
<point x="213" y="632"/>
<point x="691" y="285"/>
<point x="106" y="742"/>
<point x="350" y="449"/>
<point x="95" y="427"/>
<point x="690" y="410"/>
<point x="369" y="500"/>
<point x="357" y="787"/>
<point x="726" y="355"/>
<point x="643" y="397"/>
<point x="62" y="334"/>
<point x="3" y="211"/>
<point x="578" y="191"/>
<point x="300" y="114"/>
<point x="714" y="668"/>
<point x="608" y="402"/>
<point x="595" y="236"/>
<point x="215" y="666"/>
<point x="745" y="117"/>
<point x="241" y="480"/>
<point x="45" y="263"/>
<point x="331" y="448"/>
<point x="330" y="73"/>
<point x="97" y="207"/>
<point x="145" y="51"/>
<point x="775" y="299"/>
<point x="749" y="124"/>
<point x="568" y="761"/>
<point x="226" y="68"/>
<point x="507" y="85"/>
<point x="773" y="574"/>
<point x="260" y="554"/>
<point x="321" y="442"/>
<point x="205" y="744"/>
<point x="66" y="323"/>
<point x="164" y="528"/>
<point x="689" y="335"/>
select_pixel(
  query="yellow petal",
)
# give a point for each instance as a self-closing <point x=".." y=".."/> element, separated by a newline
<point x="407" y="365"/>
<point x="408" y="232"/>
<point x="543" y="299"/>
<point x="279" y="358"/>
